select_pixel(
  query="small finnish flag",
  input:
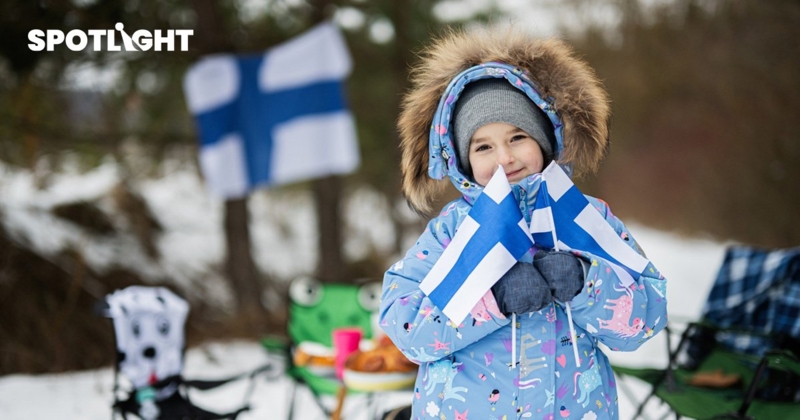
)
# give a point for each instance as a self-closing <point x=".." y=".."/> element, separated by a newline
<point x="564" y="219"/>
<point x="490" y="240"/>
<point x="274" y="118"/>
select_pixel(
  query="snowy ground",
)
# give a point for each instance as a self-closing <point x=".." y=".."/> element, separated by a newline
<point x="191" y="246"/>
<point x="88" y="395"/>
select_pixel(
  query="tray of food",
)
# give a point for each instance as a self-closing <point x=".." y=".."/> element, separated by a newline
<point x="383" y="368"/>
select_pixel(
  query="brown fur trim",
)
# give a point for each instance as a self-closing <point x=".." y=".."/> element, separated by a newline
<point x="577" y="93"/>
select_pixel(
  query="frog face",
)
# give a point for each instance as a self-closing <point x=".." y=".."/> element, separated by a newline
<point x="317" y="309"/>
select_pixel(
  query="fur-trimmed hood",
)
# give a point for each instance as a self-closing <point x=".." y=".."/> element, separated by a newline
<point x="561" y="84"/>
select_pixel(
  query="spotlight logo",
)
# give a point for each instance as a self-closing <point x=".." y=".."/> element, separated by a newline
<point x="141" y="40"/>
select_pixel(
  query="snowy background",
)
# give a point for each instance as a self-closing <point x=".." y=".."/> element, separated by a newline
<point x="284" y="237"/>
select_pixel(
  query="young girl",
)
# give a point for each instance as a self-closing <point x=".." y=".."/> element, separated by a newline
<point x="480" y="100"/>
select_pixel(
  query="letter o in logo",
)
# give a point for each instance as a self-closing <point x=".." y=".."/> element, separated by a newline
<point x="82" y="40"/>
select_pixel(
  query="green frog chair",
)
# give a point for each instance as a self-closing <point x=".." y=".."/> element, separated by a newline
<point x="315" y="311"/>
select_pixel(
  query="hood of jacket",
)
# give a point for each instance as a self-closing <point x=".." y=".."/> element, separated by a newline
<point x="564" y="86"/>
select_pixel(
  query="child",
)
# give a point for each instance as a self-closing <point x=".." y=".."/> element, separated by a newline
<point x="480" y="100"/>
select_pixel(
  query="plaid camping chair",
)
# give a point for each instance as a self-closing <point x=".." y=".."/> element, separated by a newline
<point x="740" y="360"/>
<point x="315" y="311"/>
<point x="149" y="331"/>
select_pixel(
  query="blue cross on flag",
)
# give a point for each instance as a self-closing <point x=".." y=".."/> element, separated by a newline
<point x="276" y="117"/>
<point x="564" y="219"/>
<point x="490" y="240"/>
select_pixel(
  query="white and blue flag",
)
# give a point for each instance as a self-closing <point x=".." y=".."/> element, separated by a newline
<point x="276" y="117"/>
<point x="490" y="240"/>
<point x="564" y="219"/>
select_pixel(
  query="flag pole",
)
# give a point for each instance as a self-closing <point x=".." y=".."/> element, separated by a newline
<point x="513" y="341"/>
<point x="573" y="336"/>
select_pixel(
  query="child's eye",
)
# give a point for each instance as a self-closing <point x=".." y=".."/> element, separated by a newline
<point x="481" y="148"/>
<point x="519" y="137"/>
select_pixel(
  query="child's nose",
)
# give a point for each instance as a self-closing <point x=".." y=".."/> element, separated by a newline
<point x="505" y="156"/>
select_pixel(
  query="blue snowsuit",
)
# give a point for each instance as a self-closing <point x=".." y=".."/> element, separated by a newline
<point x="466" y="370"/>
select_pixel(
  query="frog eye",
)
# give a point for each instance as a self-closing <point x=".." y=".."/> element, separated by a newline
<point x="305" y="291"/>
<point x="369" y="296"/>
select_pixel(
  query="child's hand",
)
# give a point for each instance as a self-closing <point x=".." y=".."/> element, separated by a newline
<point x="562" y="271"/>
<point x="521" y="290"/>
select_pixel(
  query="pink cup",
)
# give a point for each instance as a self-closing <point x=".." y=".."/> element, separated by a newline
<point x="345" y="342"/>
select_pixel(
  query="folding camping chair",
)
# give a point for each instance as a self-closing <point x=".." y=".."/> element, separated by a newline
<point x="315" y="311"/>
<point x="740" y="361"/>
<point x="149" y="330"/>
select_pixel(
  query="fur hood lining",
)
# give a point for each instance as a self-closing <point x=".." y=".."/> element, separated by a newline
<point x="564" y="86"/>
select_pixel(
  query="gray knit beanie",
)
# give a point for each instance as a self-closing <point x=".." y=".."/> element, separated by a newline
<point x="495" y="100"/>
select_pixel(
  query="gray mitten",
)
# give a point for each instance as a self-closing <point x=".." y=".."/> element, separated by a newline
<point x="562" y="271"/>
<point x="522" y="289"/>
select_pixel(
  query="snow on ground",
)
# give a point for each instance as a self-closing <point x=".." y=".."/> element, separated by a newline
<point x="88" y="395"/>
<point x="284" y="239"/>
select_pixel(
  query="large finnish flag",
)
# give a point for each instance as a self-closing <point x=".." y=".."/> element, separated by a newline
<point x="490" y="240"/>
<point x="276" y="117"/>
<point x="564" y="219"/>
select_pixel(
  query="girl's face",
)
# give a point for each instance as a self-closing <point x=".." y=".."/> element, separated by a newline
<point x="503" y="144"/>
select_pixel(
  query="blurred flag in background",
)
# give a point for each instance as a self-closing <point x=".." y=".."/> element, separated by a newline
<point x="274" y="118"/>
